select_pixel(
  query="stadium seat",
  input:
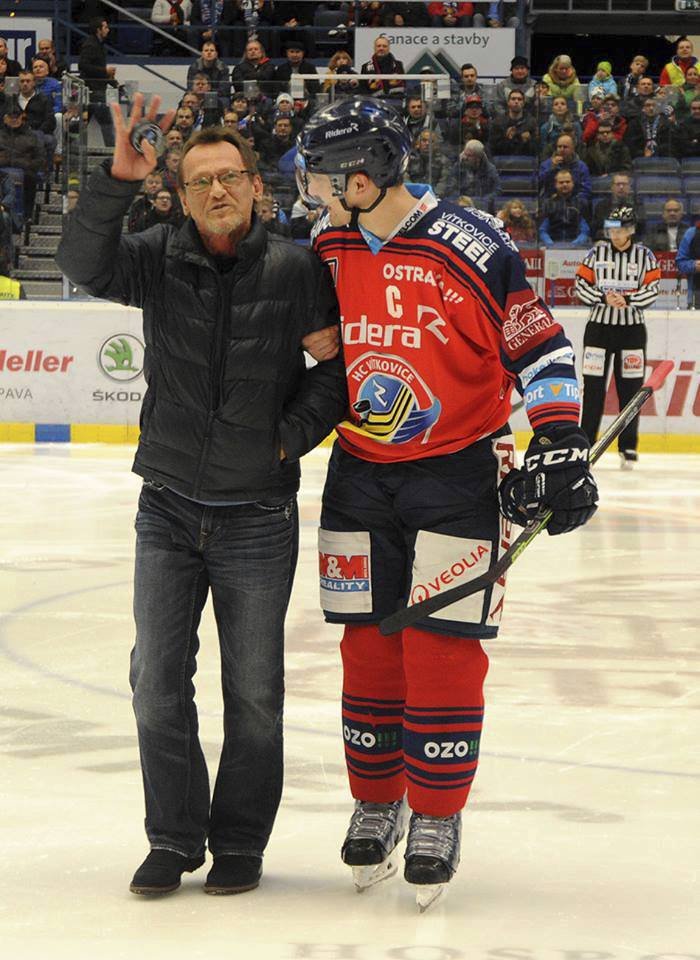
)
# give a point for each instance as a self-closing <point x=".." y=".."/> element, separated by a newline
<point x="133" y="37"/>
<point x="653" y="208"/>
<point x="694" y="206"/>
<point x="600" y="186"/>
<point x="520" y="185"/>
<point x="507" y="165"/>
<point x="691" y="186"/>
<point x="690" y="166"/>
<point x="655" y="165"/>
<point x="661" y="186"/>
<point x="656" y="200"/>
<point x="326" y="20"/>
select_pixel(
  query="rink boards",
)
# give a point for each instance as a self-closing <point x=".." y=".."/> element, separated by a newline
<point x="73" y="372"/>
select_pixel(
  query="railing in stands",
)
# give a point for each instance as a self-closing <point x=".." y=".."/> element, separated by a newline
<point x="136" y="32"/>
<point x="602" y="6"/>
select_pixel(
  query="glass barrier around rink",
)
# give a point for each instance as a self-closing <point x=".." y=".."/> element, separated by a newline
<point x="537" y="162"/>
<point x="514" y="153"/>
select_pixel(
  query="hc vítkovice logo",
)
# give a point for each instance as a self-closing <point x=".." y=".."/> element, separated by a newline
<point x="392" y="402"/>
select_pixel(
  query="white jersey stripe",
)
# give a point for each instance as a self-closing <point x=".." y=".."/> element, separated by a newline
<point x="619" y="271"/>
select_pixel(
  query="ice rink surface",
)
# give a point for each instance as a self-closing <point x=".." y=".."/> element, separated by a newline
<point x="582" y="836"/>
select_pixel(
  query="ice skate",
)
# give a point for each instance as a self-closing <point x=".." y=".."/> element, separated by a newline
<point x="628" y="458"/>
<point x="370" y="844"/>
<point x="432" y="855"/>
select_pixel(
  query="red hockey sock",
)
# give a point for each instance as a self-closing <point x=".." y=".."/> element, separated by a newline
<point x="443" y="719"/>
<point x="373" y="702"/>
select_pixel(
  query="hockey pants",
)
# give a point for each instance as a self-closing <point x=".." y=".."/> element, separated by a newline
<point x="626" y="347"/>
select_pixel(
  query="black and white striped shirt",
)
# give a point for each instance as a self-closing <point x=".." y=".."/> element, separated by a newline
<point x="633" y="272"/>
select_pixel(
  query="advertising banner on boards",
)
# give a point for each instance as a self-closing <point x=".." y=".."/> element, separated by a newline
<point x="82" y="363"/>
<point x="71" y="363"/>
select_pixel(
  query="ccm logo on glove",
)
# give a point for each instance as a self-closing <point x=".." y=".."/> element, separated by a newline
<point x="553" y="458"/>
<point x="556" y="477"/>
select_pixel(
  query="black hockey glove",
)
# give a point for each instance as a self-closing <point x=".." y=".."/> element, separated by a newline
<point x="555" y="476"/>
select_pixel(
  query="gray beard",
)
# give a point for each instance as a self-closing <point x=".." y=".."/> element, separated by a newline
<point x="225" y="229"/>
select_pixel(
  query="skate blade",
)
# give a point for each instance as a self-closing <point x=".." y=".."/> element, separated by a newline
<point x="429" y="893"/>
<point x="366" y="877"/>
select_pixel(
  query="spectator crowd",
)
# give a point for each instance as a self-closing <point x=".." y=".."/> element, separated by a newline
<point x="550" y="156"/>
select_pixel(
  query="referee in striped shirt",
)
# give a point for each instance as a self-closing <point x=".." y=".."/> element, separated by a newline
<point x="618" y="279"/>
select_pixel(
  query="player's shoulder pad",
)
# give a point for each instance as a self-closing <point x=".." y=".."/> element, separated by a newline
<point x="472" y="217"/>
<point x="462" y="230"/>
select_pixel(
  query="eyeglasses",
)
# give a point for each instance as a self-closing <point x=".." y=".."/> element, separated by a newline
<point x="231" y="178"/>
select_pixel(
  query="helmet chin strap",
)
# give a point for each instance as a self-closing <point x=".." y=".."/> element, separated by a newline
<point x="356" y="211"/>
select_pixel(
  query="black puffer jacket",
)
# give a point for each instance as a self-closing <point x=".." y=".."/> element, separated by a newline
<point x="227" y="382"/>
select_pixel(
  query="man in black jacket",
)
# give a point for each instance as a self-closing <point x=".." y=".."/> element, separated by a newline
<point x="140" y="209"/>
<point x="686" y="136"/>
<point x="605" y="154"/>
<point x="38" y="110"/>
<point x="214" y="70"/>
<point x="667" y="235"/>
<point x="296" y="63"/>
<point x="93" y="69"/>
<point x="649" y="134"/>
<point x="515" y="133"/>
<point x="383" y="62"/>
<point x="255" y="65"/>
<point x="20" y="151"/>
<point x="273" y="146"/>
<point x="229" y="411"/>
<point x="621" y="195"/>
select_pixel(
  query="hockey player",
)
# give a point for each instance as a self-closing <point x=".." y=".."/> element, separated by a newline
<point x="618" y="278"/>
<point x="439" y="324"/>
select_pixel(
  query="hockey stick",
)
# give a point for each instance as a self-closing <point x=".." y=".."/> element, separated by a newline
<point x="404" y="618"/>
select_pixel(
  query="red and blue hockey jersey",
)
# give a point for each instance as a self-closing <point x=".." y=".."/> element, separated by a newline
<point x="439" y="323"/>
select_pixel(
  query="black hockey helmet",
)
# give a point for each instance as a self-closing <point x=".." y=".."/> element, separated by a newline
<point x="622" y="216"/>
<point x="353" y="135"/>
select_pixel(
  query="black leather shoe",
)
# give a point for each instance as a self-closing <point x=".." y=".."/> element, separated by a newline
<point x="160" y="872"/>
<point x="233" y="873"/>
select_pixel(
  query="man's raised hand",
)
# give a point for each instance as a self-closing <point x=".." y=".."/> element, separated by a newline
<point x="128" y="163"/>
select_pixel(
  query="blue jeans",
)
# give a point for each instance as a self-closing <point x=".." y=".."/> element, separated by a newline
<point x="246" y="556"/>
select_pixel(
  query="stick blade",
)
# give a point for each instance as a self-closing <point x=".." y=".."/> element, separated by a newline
<point x="661" y="371"/>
